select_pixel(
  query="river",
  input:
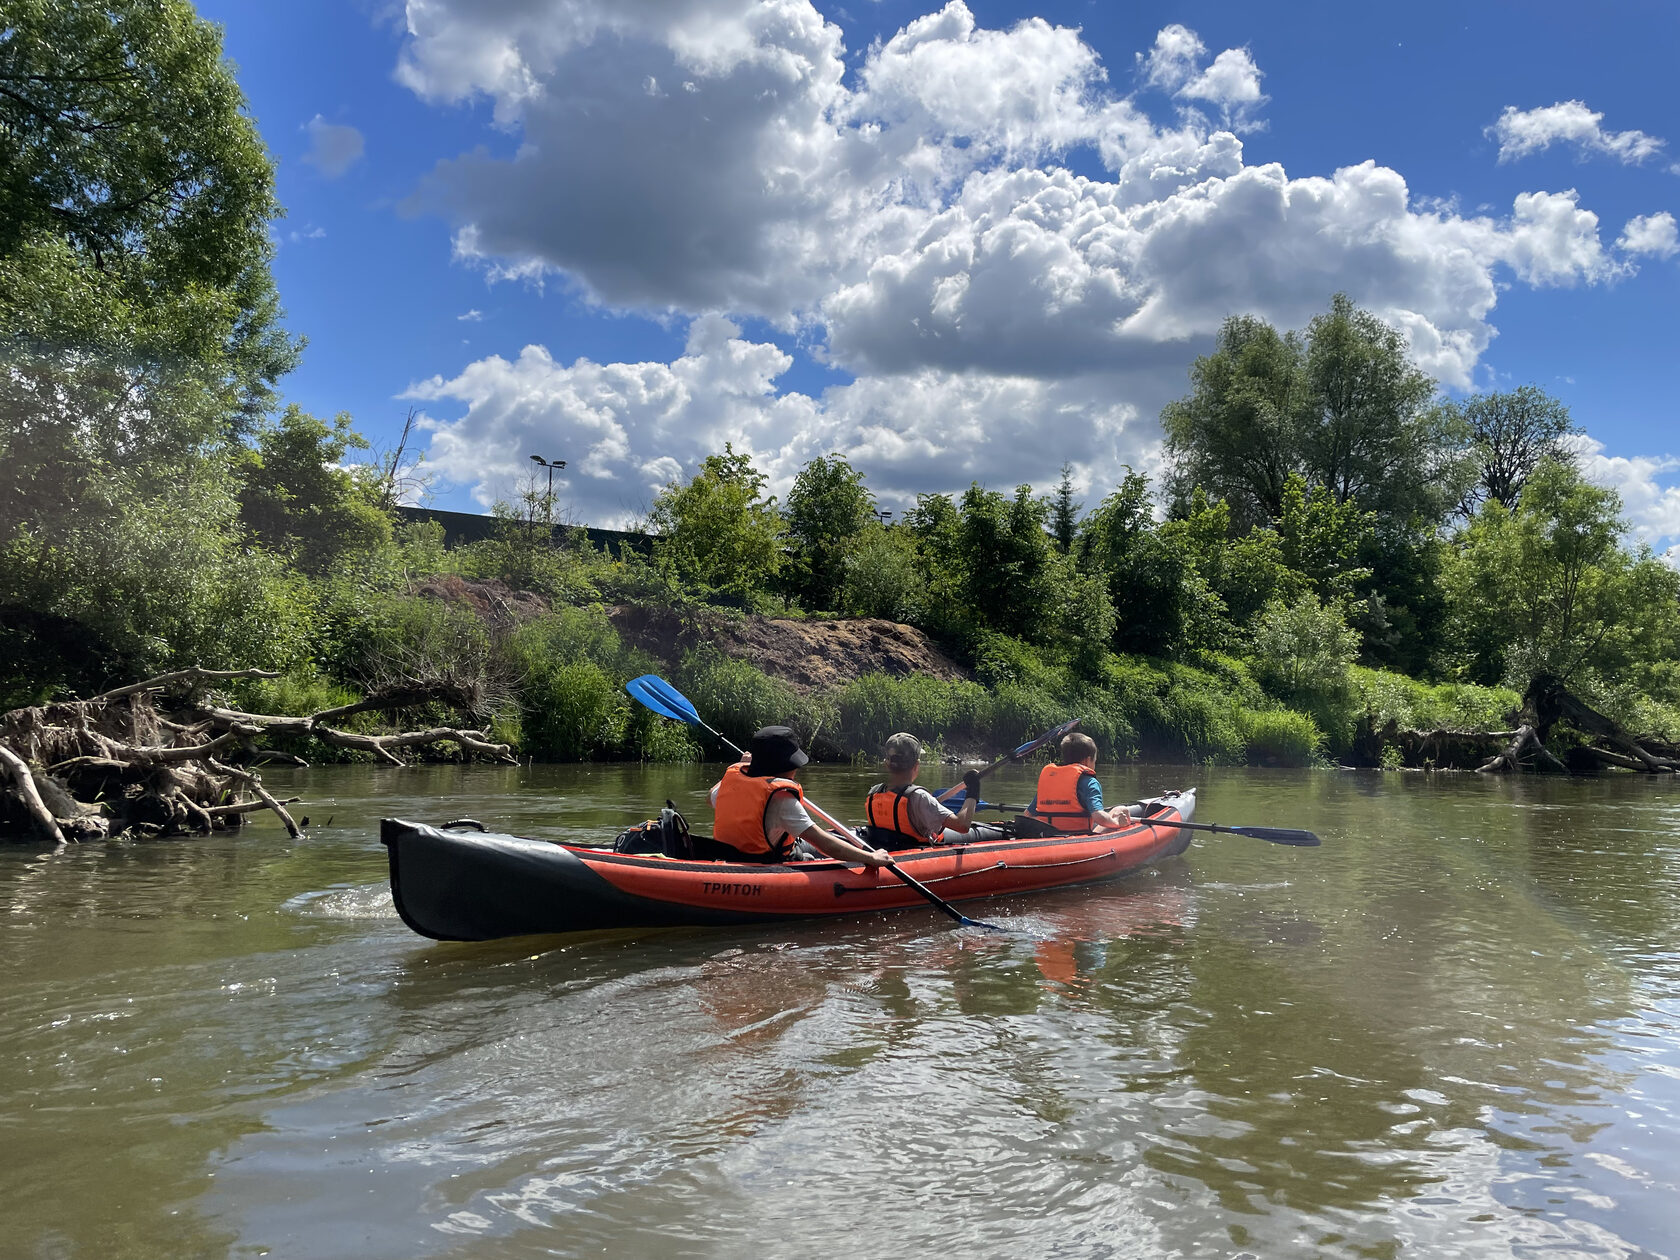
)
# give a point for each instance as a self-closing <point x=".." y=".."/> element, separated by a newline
<point x="1453" y="1030"/>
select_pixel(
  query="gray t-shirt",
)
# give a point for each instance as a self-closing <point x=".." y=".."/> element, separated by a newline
<point x="926" y="815"/>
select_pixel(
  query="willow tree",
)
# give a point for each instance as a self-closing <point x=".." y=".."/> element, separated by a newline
<point x="140" y="331"/>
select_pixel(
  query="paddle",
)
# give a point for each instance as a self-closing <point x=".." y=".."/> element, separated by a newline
<point x="658" y="695"/>
<point x="1015" y="754"/>
<point x="1277" y="835"/>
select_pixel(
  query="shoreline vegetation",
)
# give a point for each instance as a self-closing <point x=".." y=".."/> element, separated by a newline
<point x="1338" y="564"/>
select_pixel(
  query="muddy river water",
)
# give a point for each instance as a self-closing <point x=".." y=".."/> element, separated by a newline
<point x="1454" y="1030"/>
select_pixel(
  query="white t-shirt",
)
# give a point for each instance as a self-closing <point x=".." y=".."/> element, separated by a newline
<point x="785" y="815"/>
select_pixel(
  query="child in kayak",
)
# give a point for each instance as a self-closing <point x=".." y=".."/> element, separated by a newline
<point x="904" y="816"/>
<point x="760" y="811"/>
<point x="1069" y="797"/>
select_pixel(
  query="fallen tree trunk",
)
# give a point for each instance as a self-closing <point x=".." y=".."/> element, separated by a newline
<point x="1525" y="751"/>
<point x="170" y="770"/>
<point x="1546" y="704"/>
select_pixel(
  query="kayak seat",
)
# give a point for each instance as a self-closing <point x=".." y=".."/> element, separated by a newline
<point x="1029" y="828"/>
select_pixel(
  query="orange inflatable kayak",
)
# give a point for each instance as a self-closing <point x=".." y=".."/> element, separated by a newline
<point x="456" y="886"/>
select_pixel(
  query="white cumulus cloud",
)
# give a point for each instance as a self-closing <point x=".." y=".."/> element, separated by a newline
<point x="1654" y="234"/>
<point x="1652" y="507"/>
<point x="1522" y="132"/>
<point x="917" y="222"/>
<point x="1230" y="81"/>
<point x="627" y="429"/>
<point x="333" y="147"/>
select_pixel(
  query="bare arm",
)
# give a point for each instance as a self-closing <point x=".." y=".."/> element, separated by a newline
<point x="840" y="847"/>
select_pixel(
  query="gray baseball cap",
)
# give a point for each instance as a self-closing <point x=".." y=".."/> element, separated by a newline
<point x="904" y="752"/>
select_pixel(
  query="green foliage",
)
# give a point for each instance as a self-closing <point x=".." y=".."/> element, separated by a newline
<point x="135" y="199"/>
<point x="871" y="708"/>
<point x="1302" y="654"/>
<point x="1064" y="513"/>
<point x="1383" y="697"/>
<point x="1279" y="737"/>
<point x="828" y="507"/>
<point x="717" y="532"/>
<point x="1510" y="435"/>
<point x="737" y="698"/>
<point x="298" y="499"/>
<point x="882" y="576"/>
<point x="526" y="553"/>
<point x="1163" y="605"/>
<point x="1548" y="588"/>
<point x="571" y="667"/>
<point x="1320" y="537"/>
<point x="162" y="583"/>
<point x="1247" y="572"/>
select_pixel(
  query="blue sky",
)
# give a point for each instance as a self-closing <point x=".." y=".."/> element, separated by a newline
<point x="953" y="242"/>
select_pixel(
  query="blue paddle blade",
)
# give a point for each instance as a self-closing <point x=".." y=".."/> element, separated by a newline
<point x="657" y="694"/>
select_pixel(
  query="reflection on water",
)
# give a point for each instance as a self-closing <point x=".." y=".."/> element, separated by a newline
<point x="1455" y="1029"/>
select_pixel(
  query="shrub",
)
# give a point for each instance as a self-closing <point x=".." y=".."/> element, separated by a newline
<point x="1279" y="737"/>
<point x="881" y="578"/>
<point x="737" y="698"/>
<point x="573" y="711"/>
<point x="869" y="709"/>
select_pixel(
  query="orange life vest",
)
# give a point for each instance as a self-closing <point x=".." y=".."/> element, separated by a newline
<point x="741" y="817"/>
<point x="889" y="812"/>
<point x="1058" y="799"/>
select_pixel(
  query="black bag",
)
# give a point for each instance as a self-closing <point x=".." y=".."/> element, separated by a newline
<point x="667" y="834"/>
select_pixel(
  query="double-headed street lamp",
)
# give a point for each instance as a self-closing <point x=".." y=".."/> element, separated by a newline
<point x="551" y="465"/>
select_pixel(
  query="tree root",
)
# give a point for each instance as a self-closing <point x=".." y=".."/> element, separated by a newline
<point x="167" y="772"/>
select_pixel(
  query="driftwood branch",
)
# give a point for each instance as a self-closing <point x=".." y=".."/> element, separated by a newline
<point x="254" y="782"/>
<point x="1526" y="745"/>
<point x="245" y="807"/>
<point x="154" y="754"/>
<point x="18" y="771"/>
<point x="193" y="675"/>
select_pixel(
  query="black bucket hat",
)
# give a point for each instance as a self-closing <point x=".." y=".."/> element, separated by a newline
<point x="775" y="750"/>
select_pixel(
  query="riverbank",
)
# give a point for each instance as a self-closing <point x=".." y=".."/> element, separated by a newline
<point x="847" y="683"/>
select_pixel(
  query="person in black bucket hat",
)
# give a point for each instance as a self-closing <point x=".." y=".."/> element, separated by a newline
<point x="774" y="750"/>
<point x="760" y="813"/>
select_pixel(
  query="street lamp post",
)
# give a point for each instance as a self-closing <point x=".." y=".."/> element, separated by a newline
<point x="548" y="503"/>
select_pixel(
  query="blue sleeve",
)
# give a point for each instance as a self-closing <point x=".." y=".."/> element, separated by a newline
<point x="1090" y="794"/>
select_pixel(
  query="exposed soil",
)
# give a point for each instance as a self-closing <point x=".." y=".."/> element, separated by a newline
<point x="808" y="655"/>
<point x="495" y="602"/>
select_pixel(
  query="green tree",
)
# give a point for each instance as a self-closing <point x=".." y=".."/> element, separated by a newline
<point x="883" y="576"/>
<point x="1548" y="587"/>
<point x="1064" y="512"/>
<point x="135" y="198"/>
<point x="1302" y="654"/>
<point x="1163" y="606"/>
<point x="156" y="582"/>
<point x="299" y="499"/>
<point x="1320" y="537"/>
<point x="1340" y="405"/>
<point x="1247" y="572"/>
<point x="718" y="531"/>
<point x="1510" y="434"/>
<point x="827" y="508"/>
<point x="1236" y="434"/>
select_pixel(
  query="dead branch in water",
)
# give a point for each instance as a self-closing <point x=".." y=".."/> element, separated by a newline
<point x="116" y="761"/>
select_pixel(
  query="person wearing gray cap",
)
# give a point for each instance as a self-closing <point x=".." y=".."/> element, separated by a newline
<point x="904" y="816"/>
